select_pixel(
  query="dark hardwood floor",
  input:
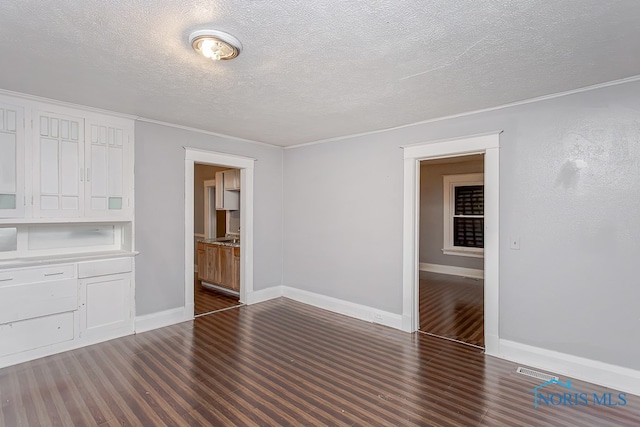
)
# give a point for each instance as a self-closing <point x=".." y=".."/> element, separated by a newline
<point x="207" y="300"/>
<point x="452" y="307"/>
<point x="284" y="363"/>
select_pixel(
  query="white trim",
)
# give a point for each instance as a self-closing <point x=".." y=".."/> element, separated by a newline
<point x="218" y="159"/>
<point x="246" y="165"/>
<point x="264" y="295"/>
<point x="207" y="132"/>
<point x="593" y="371"/>
<point x="64" y="104"/>
<point x="320" y="141"/>
<point x="469" y="113"/>
<point x="491" y="247"/>
<point x="152" y="321"/>
<point x="246" y="236"/>
<point x="449" y="183"/>
<point x="451" y="270"/>
<point x="489" y="145"/>
<point x="456" y="146"/>
<point x="469" y="252"/>
<point x="209" y="229"/>
<point x="346" y="308"/>
<point x="410" y="232"/>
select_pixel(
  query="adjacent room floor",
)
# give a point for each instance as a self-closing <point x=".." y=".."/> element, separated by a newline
<point x="282" y="363"/>
<point x="452" y="307"/>
<point x="207" y="300"/>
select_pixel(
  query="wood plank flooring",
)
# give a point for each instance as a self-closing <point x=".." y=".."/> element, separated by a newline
<point x="452" y="307"/>
<point x="282" y="363"/>
<point x="207" y="300"/>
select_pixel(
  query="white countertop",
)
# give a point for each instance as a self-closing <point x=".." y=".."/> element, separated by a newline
<point x="59" y="259"/>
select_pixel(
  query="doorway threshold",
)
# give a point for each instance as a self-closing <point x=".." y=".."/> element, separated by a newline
<point x="219" y="310"/>
<point x="452" y="339"/>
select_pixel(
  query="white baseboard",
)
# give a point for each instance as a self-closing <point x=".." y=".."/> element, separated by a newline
<point x="161" y="319"/>
<point x="346" y="308"/>
<point x="455" y="271"/>
<point x="263" y="295"/>
<point x="77" y="342"/>
<point x="491" y="345"/>
<point x="604" y="374"/>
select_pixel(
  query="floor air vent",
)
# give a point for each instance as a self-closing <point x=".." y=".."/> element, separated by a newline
<point x="536" y="374"/>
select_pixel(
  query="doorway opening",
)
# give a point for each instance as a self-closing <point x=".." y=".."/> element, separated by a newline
<point x="451" y="249"/>
<point x="225" y="261"/>
<point x="216" y="234"/>
<point x="487" y="144"/>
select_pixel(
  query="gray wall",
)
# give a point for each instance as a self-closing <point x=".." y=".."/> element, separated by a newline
<point x="432" y="210"/>
<point x="572" y="287"/>
<point x="159" y="192"/>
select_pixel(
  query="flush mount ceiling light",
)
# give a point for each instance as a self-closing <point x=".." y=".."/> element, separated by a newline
<point x="215" y="45"/>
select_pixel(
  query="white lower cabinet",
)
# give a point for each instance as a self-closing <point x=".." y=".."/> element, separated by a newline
<point x="105" y="305"/>
<point x="31" y="300"/>
<point x="32" y="334"/>
<point x="46" y="310"/>
<point x="37" y="308"/>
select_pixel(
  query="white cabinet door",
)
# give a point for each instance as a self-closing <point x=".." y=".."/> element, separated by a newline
<point x="108" y="164"/>
<point x="12" y="196"/>
<point x="105" y="306"/>
<point x="58" y="147"/>
<point x="232" y="179"/>
<point x="225" y="199"/>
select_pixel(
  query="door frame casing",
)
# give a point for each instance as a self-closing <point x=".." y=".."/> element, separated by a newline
<point x="208" y="185"/>
<point x="246" y="166"/>
<point x="489" y="145"/>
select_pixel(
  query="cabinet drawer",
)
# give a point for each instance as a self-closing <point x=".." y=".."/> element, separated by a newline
<point x="31" y="300"/>
<point x="35" y="333"/>
<point x="37" y="274"/>
<point x="104" y="267"/>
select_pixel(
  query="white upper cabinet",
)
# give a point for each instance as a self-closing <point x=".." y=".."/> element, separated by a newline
<point x="108" y="165"/>
<point x="231" y="179"/>
<point x="226" y="199"/>
<point x="59" y="163"/>
<point x="58" y="171"/>
<point x="12" y="195"/>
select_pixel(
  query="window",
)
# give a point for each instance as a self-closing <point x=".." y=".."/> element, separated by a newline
<point x="464" y="215"/>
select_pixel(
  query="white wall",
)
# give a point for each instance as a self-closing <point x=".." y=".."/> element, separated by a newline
<point x="573" y="286"/>
<point x="159" y="192"/>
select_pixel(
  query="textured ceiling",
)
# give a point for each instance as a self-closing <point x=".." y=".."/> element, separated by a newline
<point x="313" y="70"/>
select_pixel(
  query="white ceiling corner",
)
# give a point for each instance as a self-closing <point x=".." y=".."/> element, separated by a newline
<point x="313" y="70"/>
